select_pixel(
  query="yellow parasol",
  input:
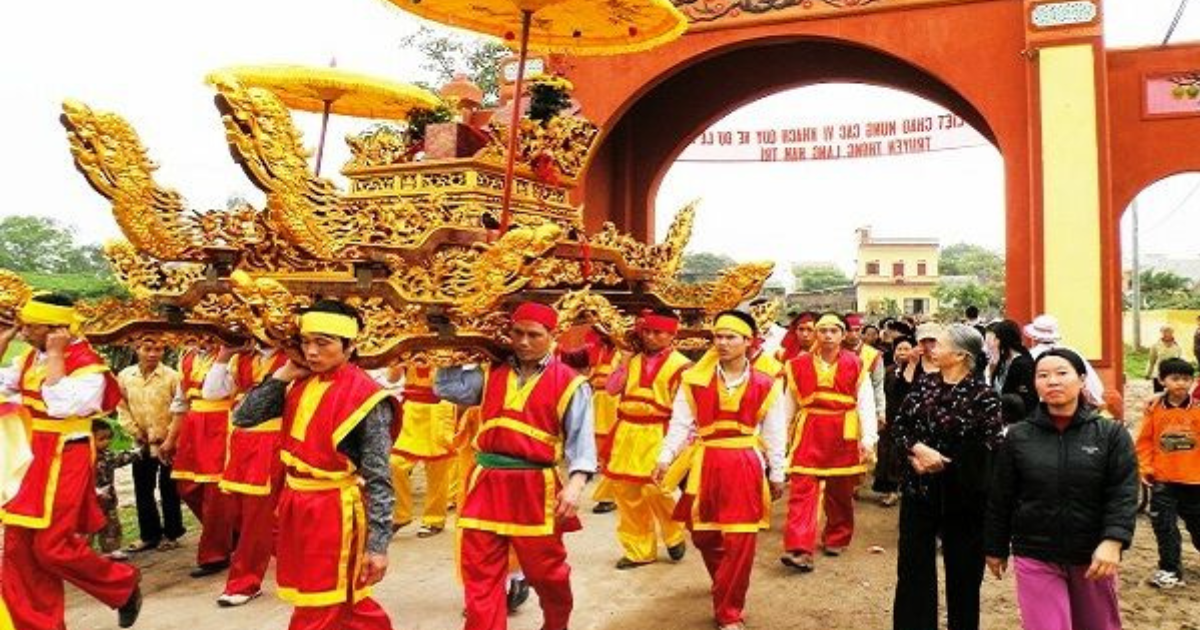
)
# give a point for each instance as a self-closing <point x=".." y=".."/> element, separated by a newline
<point x="580" y="27"/>
<point x="333" y="90"/>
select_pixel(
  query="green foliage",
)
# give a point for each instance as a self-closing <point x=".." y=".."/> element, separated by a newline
<point x="546" y="100"/>
<point x="1136" y="362"/>
<point x="84" y="285"/>
<point x="704" y="266"/>
<point x="815" y="277"/>
<point x="419" y="119"/>
<point x="39" y="244"/>
<point x="447" y="55"/>
<point x="987" y="297"/>
<point x="965" y="259"/>
<point x="1166" y="289"/>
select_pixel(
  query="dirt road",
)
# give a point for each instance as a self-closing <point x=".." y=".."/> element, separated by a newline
<point x="851" y="592"/>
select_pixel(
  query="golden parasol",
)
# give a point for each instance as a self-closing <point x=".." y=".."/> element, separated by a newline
<point x="333" y="90"/>
<point x="580" y="27"/>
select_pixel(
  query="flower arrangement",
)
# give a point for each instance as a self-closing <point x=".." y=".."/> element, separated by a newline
<point x="549" y="95"/>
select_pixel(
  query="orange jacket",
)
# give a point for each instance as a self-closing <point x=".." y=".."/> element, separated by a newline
<point x="1167" y="446"/>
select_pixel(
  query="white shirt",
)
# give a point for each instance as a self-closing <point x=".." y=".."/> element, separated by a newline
<point x="219" y="382"/>
<point x="773" y="428"/>
<point x="72" y="396"/>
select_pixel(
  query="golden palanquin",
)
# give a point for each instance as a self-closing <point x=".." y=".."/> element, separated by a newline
<point x="408" y="244"/>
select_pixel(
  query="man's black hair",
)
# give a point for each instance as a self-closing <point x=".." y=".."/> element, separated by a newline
<point x="1175" y="366"/>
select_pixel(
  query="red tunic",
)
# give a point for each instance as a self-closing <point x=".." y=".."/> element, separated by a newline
<point x="31" y="506"/>
<point x="523" y="423"/>
<point x="253" y="465"/>
<point x="826" y="430"/>
<point x="727" y="490"/>
<point x="322" y="514"/>
<point x="204" y="431"/>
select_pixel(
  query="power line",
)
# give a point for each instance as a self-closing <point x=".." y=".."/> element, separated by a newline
<point x="1163" y="221"/>
<point x="1175" y="22"/>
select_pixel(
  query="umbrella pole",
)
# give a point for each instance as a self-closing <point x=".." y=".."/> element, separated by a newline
<point x="321" y="143"/>
<point x="513" y="127"/>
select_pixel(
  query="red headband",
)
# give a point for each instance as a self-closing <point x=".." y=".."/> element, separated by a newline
<point x="537" y="313"/>
<point x="661" y="323"/>
<point x="854" y="320"/>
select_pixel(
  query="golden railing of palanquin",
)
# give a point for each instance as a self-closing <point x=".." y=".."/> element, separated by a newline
<point x="406" y="244"/>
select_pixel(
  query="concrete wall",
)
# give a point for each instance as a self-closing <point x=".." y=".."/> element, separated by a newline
<point x="1182" y="320"/>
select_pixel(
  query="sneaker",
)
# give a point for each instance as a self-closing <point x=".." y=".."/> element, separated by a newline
<point x="232" y="601"/>
<point x="119" y="555"/>
<point x="603" y="507"/>
<point x="427" y="531"/>
<point x="676" y="552"/>
<point x="833" y="552"/>
<point x="626" y="563"/>
<point x="1166" y="580"/>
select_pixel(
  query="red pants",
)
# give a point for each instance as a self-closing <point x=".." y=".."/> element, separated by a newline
<point x="255" y="518"/>
<point x="800" y="535"/>
<point x="729" y="559"/>
<point x="212" y="509"/>
<point x="484" y="567"/>
<point x="365" y="615"/>
<point x="38" y="561"/>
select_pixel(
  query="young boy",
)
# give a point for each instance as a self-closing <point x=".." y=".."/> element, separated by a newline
<point x="107" y="463"/>
<point x="1169" y="463"/>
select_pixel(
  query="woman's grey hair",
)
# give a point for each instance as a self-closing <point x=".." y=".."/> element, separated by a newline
<point x="966" y="339"/>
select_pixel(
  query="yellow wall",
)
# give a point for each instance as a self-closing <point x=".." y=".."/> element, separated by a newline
<point x="888" y="254"/>
<point x="1071" y="194"/>
<point x="1182" y="320"/>
<point x="867" y="293"/>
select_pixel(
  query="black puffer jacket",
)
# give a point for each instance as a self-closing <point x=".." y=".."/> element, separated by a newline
<point x="1056" y="496"/>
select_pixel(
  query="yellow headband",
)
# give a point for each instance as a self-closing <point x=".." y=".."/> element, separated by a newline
<point x="333" y="324"/>
<point x="831" y="320"/>
<point x="41" y="313"/>
<point x="731" y="323"/>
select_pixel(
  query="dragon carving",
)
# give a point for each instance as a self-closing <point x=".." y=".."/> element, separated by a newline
<point x="270" y="149"/>
<point x="734" y="286"/>
<point x="111" y="156"/>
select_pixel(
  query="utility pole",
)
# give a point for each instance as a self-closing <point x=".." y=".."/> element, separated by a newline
<point x="1137" y="280"/>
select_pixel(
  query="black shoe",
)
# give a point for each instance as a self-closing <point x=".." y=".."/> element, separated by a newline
<point x="676" y="552"/>
<point x="800" y="562"/>
<point x="127" y="614"/>
<point x="604" y="507"/>
<point x="208" y="569"/>
<point x="625" y="563"/>
<point x="518" y="593"/>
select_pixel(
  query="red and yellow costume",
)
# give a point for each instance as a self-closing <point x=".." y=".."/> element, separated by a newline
<point x="824" y="447"/>
<point x="200" y="459"/>
<point x="56" y="502"/>
<point x="642" y="417"/>
<point x="321" y="508"/>
<point x="604" y="405"/>
<point x="727" y="500"/>
<point x="252" y="478"/>
<point x="427" y="429"/>
<point x="511" y="495"/>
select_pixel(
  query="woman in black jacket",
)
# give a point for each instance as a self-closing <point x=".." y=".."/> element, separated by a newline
<point x="1063" y="500"/>
<point x="1010" y="368"/>
<point x="945" y="429"/>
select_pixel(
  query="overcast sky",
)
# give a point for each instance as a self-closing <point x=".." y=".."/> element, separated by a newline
<point x="146" y="60"/>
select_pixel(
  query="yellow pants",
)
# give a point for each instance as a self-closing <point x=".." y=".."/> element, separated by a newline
<point x="437" y="489"/>
<point x="603" y="492"/>
<point x="5" y="621"/>
<point x="639" y="506"/>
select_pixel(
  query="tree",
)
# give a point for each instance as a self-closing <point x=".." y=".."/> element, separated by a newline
<point x="988" y="297"/>
<point x="815" y="277"/>
<point x="447" y="55"/>
<point x="965" y="259"/>
<point x="37" y="244"/>
<point x="704" y="266"/>
<point x="1167" y="289"/>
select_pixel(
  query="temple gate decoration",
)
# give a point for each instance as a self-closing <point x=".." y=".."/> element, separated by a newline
<point x="410" y="244"/>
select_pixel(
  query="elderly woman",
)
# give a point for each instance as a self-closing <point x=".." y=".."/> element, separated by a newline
<point x="947" y="425"/>
<point x="1063" y="502"/>
<point x="1165" y="348"/>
